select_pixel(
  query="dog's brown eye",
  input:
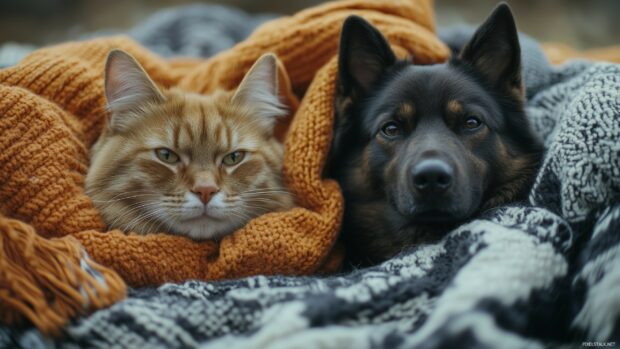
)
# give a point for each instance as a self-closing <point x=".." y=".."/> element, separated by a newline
<point x="166" y="155"/>
<point x="390" y="129"/>
<point x="472" y="123"/>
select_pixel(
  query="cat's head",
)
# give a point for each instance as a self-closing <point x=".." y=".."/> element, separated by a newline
<point x="189" y="164"/>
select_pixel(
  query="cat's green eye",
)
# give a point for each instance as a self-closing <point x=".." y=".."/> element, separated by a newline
<point x="166" y="155"/>
<point x="233" y="158"/>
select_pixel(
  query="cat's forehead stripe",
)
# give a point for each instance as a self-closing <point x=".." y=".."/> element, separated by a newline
<point x="227" y="134"/>
<point x="218" y="132"/>
<point x="189" y="131"/>
<point x="176" y="134"/>
<point x="203" y="122"/>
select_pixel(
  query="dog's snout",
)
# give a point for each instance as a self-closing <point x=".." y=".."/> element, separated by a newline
<point x="432" y="176"/>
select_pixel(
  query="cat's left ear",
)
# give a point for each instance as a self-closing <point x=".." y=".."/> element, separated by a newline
<point x="494" y="51"/>
<point x="128" y="88"/>
<point x="258" y="91"/>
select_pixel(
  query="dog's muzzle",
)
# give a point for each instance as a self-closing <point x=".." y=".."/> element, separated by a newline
<point x="431" y="181"/>
<point x="432" y="177"/>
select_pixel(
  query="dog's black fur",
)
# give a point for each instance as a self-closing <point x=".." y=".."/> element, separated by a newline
<point x="418" y="149"/>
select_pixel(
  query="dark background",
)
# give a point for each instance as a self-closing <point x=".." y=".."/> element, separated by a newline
<point x="579" y="23"/>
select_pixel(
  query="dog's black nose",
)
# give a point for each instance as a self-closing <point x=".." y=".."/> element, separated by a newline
<point x="432" y="176"/>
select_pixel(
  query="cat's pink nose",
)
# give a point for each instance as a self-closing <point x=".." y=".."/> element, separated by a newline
<point x="205" y="193"/>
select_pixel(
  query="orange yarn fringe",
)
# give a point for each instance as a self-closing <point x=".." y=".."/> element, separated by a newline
<point x="47" y="281"/>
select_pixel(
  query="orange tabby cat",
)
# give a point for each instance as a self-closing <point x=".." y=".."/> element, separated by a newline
<point x="184" y="163"/>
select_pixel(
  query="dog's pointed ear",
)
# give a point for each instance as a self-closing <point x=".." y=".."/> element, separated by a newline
<point x="494" y="51"/>
<point x="364" y="55"/>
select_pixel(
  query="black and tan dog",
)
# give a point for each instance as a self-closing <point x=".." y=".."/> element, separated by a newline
<point x="419" y="149"/>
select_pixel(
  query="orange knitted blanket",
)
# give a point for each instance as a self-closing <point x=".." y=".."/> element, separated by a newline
<point x="52" y="108"/>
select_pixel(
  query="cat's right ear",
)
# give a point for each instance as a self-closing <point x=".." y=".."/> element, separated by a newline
<point x="363" y="57"/>
<point x="127" y="88"/>
<point x="259" y="91"/>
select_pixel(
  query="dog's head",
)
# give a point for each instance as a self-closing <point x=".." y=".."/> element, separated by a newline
<point x="437" y="142"/>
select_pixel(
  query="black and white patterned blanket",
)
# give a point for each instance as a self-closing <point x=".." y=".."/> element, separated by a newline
<point x="545" y="274"/>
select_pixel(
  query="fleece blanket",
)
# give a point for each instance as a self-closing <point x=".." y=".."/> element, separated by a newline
<point x="540" y="274"/>
<point x="53" y="107"/>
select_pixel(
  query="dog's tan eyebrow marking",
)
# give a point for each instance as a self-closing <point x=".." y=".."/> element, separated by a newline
<point x="454" y="107"/>
<point x="406" y="112"/>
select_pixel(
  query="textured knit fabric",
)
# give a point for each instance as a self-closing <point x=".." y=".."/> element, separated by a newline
<point x="539" y="275"/>
<point x="52" y="109"/>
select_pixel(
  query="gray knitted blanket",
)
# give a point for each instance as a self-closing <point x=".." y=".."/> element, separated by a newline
<point x="541" y="274"/>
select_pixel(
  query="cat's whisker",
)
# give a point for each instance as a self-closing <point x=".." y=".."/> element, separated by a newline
<point x="164" y="220"/>
<point x="151" y="218"/>
<point x="121" y="199"/>
<point x="271" y="199"/>
<point x="141" y="219"/>
<point x="133" y="208"/>
<point x="256" y="207"/>
<point x="152" y="221"/>
<point x="258" y="201"/>
<point x="130" y="192"/>
<point x="263" y="189"/>
<point x="265" y="195"/>
<point x="139" y="204"/>
<point x="126" y="195"/>
<point x="161" y="222"/>
<point x="265" y="192"/>
<point x="240" y="214"/>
